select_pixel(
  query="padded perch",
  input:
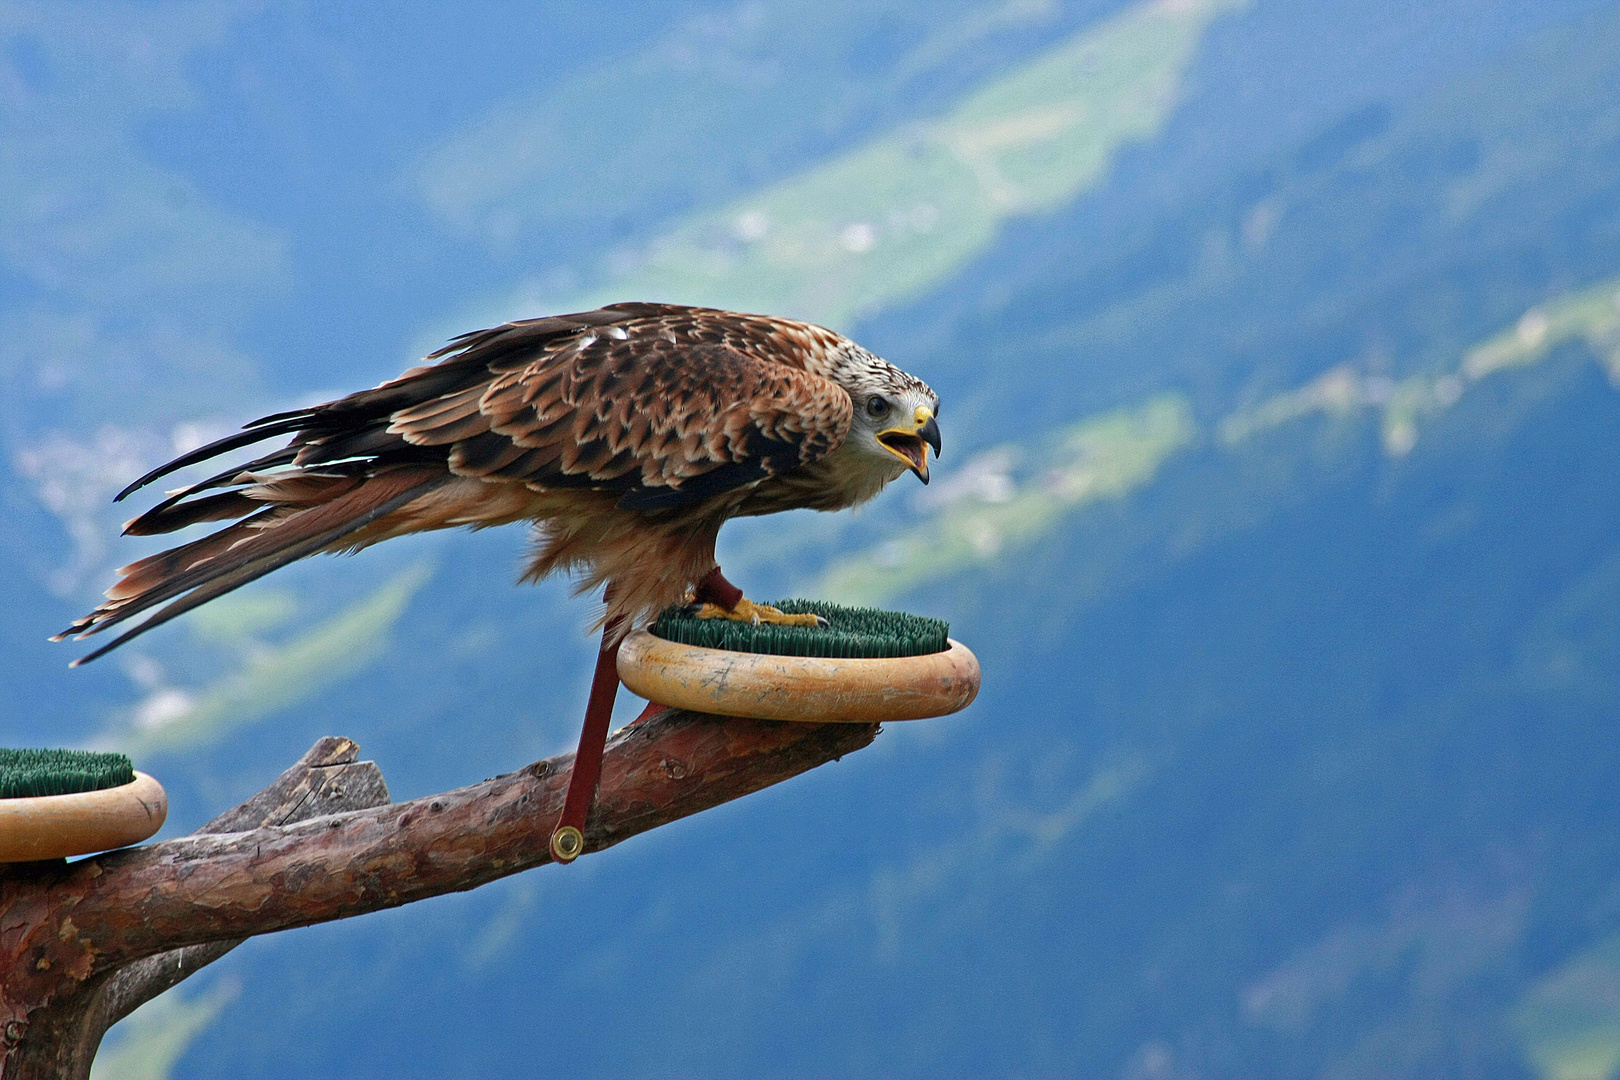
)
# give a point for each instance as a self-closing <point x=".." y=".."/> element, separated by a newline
<point x="910" y="669"/>
<point x="58" y="826"/>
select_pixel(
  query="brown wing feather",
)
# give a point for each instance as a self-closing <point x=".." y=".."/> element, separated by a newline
<point x="660" y="406"/>
<point x="645" y="413"/>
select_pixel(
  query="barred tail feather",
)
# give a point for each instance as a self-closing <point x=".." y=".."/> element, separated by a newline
<point x="248" y="549"/>
<point x="226" y="506"/>
<point x="143" y="524"/>
<point x="214" y="449"/>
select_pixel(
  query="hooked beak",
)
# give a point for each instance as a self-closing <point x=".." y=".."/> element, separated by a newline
<point x="911" y="444"/>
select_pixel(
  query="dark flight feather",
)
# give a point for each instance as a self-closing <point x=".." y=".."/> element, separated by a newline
<point x="660" y="407"/>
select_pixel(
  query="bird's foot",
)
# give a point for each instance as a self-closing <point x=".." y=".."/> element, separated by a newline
<point x="748" y="611"/>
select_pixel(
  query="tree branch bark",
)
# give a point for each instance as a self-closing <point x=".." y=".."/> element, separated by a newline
<point x="82" y="944"/>
<point x="326" y="780"/>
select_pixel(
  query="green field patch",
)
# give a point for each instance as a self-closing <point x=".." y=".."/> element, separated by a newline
<point x="1591" y="315"/>
<point x="148" y="1043"/>
<point x="1010" y="497"/>
<point x="239" y="616"/>
<point x="273" y="677"/>
<point x="895" y="217"/>
<point x="1569" y="1021"/>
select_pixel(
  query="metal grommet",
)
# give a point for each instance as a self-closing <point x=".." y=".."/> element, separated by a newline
<point x="567" y="843"/>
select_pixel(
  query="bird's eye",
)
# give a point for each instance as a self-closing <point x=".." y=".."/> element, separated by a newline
<point x="877" y="407"/>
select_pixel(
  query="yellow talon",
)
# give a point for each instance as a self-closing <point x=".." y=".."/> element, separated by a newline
<point x="748" y="611"/>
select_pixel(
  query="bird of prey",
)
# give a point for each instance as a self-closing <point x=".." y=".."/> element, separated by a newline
<point x="628" y="435"/>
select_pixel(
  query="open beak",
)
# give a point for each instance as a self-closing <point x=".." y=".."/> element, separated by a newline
<point x="911" y="444"/>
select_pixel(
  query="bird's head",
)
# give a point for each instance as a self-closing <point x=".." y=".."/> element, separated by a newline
<point x="895" y="414"/>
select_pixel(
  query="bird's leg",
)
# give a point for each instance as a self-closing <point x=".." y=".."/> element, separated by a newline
<point x="717" y="598"/>
<point x="715" y="590"/>
<point x="568" y="838"/>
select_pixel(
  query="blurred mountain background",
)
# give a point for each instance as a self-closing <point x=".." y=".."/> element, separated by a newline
<point x="1278" y="347"/>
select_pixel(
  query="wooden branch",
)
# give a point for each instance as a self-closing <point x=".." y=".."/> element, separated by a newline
<point x="85" y="942"/>
<point x="326" y="780"/>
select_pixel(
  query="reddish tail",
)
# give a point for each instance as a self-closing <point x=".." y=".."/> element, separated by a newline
<point x="282" y="521"/>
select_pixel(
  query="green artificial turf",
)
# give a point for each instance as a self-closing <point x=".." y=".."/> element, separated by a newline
<point x="852" y="633"/>
<point x="25" y="773"/>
